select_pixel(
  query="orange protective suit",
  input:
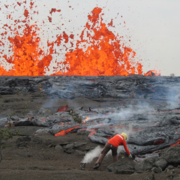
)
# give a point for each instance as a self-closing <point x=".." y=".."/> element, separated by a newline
<point x="119" y="140"/>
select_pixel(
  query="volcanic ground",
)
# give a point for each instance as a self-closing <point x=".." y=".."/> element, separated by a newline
<point x="58" y="121"/>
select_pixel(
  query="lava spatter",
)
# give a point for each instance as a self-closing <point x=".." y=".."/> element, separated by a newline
<point x="28" y="58"/>
<point x="99" y="52"/>
<point x="27" y="53"/>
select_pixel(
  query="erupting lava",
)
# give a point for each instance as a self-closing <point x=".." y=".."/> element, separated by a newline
<point x="104" y="54"/>
<point x="27" y="53"/>
<point x="98" y="53"/>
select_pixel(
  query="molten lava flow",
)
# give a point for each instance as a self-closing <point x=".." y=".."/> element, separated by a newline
<point x="93" y="131"/>
<point x="175" y="143"/>
<point x="62" y="109"/>
<point x="176" y="112"/>
<point x="87" y="118"/>
<point x="64" y="132"/>
<point x="136" y="130"/>
<point x="99" y="52"/>
<point x="159" y="142"/>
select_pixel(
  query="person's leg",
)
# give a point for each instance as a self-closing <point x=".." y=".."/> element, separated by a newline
<point x="115" y="158"/>
<point x="114" y="153"/>
<point x="100" y="159"/>
<point x="102" y="155"/>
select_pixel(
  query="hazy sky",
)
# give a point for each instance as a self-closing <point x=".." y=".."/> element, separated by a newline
<point x="152" y="25"/>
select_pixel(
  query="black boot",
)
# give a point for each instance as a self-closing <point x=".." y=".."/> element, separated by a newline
<point x="97" y="165"/>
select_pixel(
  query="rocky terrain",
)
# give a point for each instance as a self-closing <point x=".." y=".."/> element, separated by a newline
<point x="35" y="153"/>
<point x="43" y="156"/>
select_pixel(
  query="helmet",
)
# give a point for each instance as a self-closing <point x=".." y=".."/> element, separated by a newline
<point x="124" y="135"/>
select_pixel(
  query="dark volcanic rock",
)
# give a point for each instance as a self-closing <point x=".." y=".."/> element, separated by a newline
<point x="81" y="153"/>
<point x="170" y="167"/>
<point x="49" y="142"/>
<point x="124" y="171"/>
<point x="23" y="142"/>
<point x="162" y="163"/>
<point x="151" y="177"/>
<point x="123" y="165"/>
<point x="36" y="140"/>
<point x="176" y="177"/>
<point x="145" y="165"/>
<point x="79" y="144"/>
<point x="69" y="151"/>
<point x="58" y="148"/>
<point x="145" y="107"/>
<point x="70" y="87"/>
<point x="3" y="121"/>
<point x="156" y="170"/>
<point x="141" y="145"/>
<point x="69" y="146"/>
<point x="172" y="155"/>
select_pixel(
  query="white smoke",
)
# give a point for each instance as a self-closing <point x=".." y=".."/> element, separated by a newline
<point x="123" y="130"/>
<point x="126" y="113"/>
<point x="173" y="97"/>
<point x="49" y="103"/>
<point x="88" y="158"/>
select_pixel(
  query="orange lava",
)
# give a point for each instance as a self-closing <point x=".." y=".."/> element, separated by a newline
<point x="93" y="131"/>
<point x="176" y="111"/>
<point x="175" y="143"/>
<point x="105" y="55"/>
<point x="99" y="52"/>
<point x="87" y="118"/>
<point x="62" y="109"/>
<point x="27" y="53"/>
<point x="152" y="73"/>
<point x="159" y="142"/>
<point x="64" y="132"/>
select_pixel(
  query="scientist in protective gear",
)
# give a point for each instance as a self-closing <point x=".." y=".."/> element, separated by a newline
<point x="113" y="143"/>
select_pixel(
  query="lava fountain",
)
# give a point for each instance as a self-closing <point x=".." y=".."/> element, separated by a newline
<point x="99" y="52"/>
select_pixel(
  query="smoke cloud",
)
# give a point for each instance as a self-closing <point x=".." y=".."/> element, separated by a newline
<point x="88" y="158"/>
<point x="173" y="97"/>
<point x="125" y="113"/>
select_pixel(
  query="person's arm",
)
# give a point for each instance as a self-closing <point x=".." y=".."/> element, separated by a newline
<point x="126" y="148"/>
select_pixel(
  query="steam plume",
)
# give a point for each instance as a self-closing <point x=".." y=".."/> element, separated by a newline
<point x="88" y="158"/>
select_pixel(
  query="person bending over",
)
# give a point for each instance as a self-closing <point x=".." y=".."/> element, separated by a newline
<point x="113" y="143"/>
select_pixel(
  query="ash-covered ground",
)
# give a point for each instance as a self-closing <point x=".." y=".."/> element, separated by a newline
<point x="146" y="107"/>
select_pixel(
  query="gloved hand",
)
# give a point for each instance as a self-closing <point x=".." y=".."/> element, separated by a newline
<point x="130" y="156"/>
